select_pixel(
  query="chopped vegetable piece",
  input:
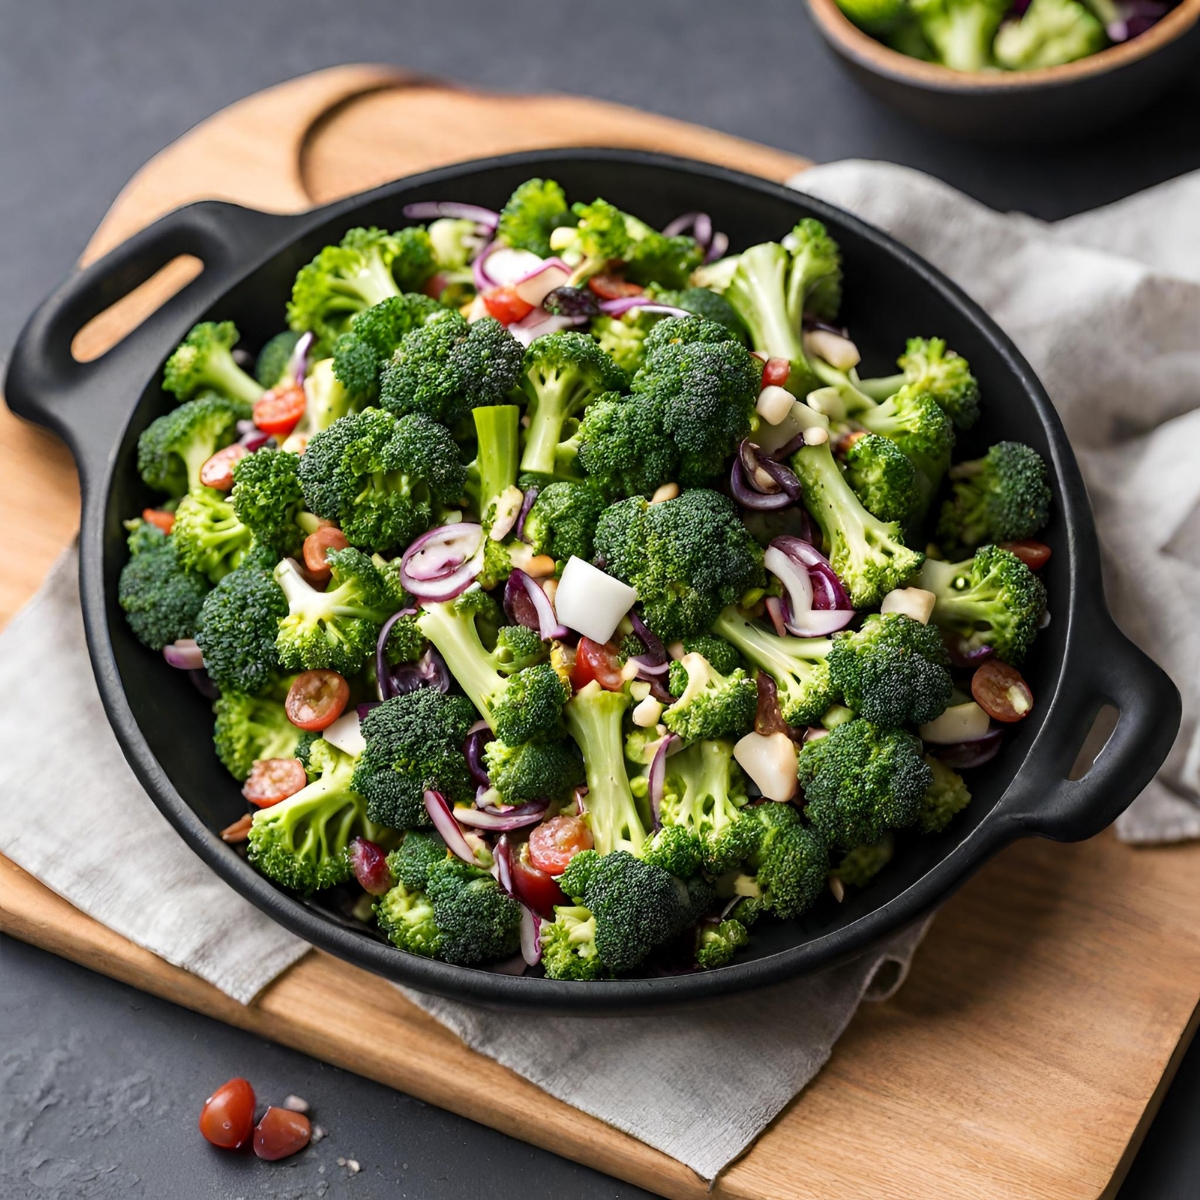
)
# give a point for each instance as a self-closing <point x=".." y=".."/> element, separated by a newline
<point x="227" y="1118"/>
<point x="316" y="699"/>
<point x="1001" y="691"/>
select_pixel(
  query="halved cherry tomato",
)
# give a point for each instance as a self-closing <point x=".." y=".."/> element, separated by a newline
<point x="1001" y="691"/>
<point x="159" y="517"/>
<point x="613" y="287"/>
<point x="279" y="410"/>
<point x="274" y="779"/>
<point x="227" y="1118"/>
<point x="217" y="472"/>
<point x="317" y="545"/>
<point x="281" y="1133"/>
<point x="505" y="305"/>
<point x="1034" y="555"/>
<point x="553" y="843"/>
<point x="316" y="699"/>
<point x="598" y="662"/>
<point x="533" y="887"/>
<point x="776" y="372"/>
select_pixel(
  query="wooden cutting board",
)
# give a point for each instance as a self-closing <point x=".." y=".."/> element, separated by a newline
<point x="1045" y="1012"/>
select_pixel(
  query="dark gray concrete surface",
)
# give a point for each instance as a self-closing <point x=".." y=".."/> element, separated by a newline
<point x="99" y="1085"/>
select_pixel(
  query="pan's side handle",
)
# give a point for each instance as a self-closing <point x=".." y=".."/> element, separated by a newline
<point x="85" y="402"/>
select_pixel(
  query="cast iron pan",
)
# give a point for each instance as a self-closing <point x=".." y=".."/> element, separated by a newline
<point x="1081" y="660"/>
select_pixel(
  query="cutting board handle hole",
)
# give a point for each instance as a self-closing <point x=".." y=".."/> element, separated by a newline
<point x="1103" y="725"/>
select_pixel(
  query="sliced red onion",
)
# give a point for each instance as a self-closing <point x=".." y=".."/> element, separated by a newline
<point x="445" y="561"/>
<point x="658" y="777"/>
<point x="381" y="663"/>
<point x="788" y="448"/>
<point x="828" y="590"/>
<point x="774" y="607"/>
<point x="203" y="683"/>
<point x="580" y="799"/>
<point x="962" y="756"/>
<point x="430" y="210"/>
<point x="547" y="623"/>
<point x="615" y="308"/>
<point x="502" y="864"/>
<point x="493" y="822"/>
<point x="429" y="670"/>
<point x="965" y="656"/>
<point x="718" y="247"/>
<point x="753" y="461"/>
<point x="794" y="577"/>
<point x="687" y="223"/>
<point x="747" y="497"/>
<point x="184" y="654"/>
<point x="483" y="281"/>
<point x="298" y="363"/>
<point x="816" y="622"/>
<point x="531" y="495"/>
<point x="531" y="936"/>
<point x="730" y="905"/>
<point x="443" y="820"/>
<point x="473" y="749"/>
<point x="254" y="441"/>
<point x="655" y="650"/>
<point x="540" y="322"/>
<point x="814" y="733"/>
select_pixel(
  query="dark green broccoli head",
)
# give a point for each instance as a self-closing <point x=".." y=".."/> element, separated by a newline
<point x="623" y="445"/>
<point x="703" y="302"/>
<point x="267" y="498"/>
<point x="249" y="728"/>
<point x="275" y="357"/>
<point x="446" y="368"/>
<point x="161" y="598"/>
<point x="678" y="849"/>
<point x="945" y="376"/>
<point x="410" y="862"/>
<point x="655" y="258"/>
<point x="569" y="945"/>
<point x="237" y="627"/>
<point x="173" y="448"/>
<point x="414" y="743"/>
<point x="574" y="879"/>
<point x="530" y="707"/>
<point x="360" y="354"/>
<point x="709" y="704"/>
<point x="518" y="647"/>
<point x="718" y="941"/>
<point x="883" y="477"/>
<point x="722" y="655"/>
<point x="533" y="770"/>
<point x="892" y="671"/>
<point x="862" y="780"/>
<point x="406" y="643"/>
<point x="815" y="274"/>
<point x="947" y="796"/>
<point x="477" y="921"/>
<point x="686" y="331"/>
<point x="860" y="865"/>
<point x="1002" y="497"/>
<point x="380" y="477"/>
<point x="704" y="793"/>
<point x="531" y="214"/>
<point x="920" y="428"/>
<point x="204" y="362"/>
<point x="789" y="860"/>
<point x="208" y="536"/>
<point x="562" y="521"/>
<point x="600" y="237"/>
<point x="687" y="558"/>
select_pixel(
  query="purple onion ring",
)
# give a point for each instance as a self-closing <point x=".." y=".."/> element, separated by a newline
<point x="429" y="210"/>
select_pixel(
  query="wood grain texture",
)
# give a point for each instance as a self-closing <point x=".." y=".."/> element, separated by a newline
<point x="1044" y="1013"/>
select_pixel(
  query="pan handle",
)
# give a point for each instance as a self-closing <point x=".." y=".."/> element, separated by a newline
<point x="1106" y="668"/>
<point x="85" y="402"/>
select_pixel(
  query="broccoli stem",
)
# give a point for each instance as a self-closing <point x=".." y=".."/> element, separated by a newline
<point x="546" y="424"/>
<point x="232" y="380"/>
<point x="312" y="606"/>
<point x="759" y="294"/>
<point x="456" y="638"/>
<point x="498" y="428"/>
<point x="852" y="396"/>
<point x="881" y="388"/>
<point x="779" y="657"/>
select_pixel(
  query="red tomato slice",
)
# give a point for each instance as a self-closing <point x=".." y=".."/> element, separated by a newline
<point x="281" y="1133"/>
<point x="613" y="287"/>
<point x="1033" y="554"/>
<point x="317" y="545"/>
<point x="598" y="662"/>
<point x="274" y="779"/>
<point x="534" y="887"/>
<point x="316" y="699"/>
<point x="505" y="305"/>
<point x="217" y="472"/>
<point x="156" y="516"/>
<point x="1001" y="691"/>
<point x="553" y="843"/>
<point x="227" y="1118"/>
<point x="278" y="411"/>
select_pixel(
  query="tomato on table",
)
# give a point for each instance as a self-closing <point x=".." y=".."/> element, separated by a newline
<point x="279" y="409"/>
<point x="599" y="662"/>
<point x="159" y="518"/>
<point x="1001" y="691"/>
<point x="317" y="545"/>
<point x="281" y="1133"/>
<point x="316" y="699"/>
<point x="613" y="287"/>
<point x="217" y="472"/>
<point x="274" y="779"/>
<point x="1033" y="554"/>
<point x="227" y="1118"/>
<point x="505" y="305"/>
<point x="553" y="843"/>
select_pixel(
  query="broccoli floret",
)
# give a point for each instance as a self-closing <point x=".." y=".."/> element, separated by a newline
<point x="960" y="31"/>
<point x="598" y="237"/>
<point x="518" y="647"/>
<point x="325" y="400"/>
<point x="267" y="499"/>
<point x="562" y="374"/>
<point x="494" y="471"/>
<point x="718" y="941"/>
<point x="477" y="921"/>
<point x="409" y="863"/>
<point x="302" y="841"/>
<point x="275" y="358"/>
<point x="447" y="367"/>
<point x="940" y="373"/>
<point x="721" y="655"/>
<point x="569" y="945"/>
<point x="173" y="448"/>
<point x="892" y="671"/>
<point x="532" y="213"/>
<point x="160" y="597"/>
<point x="562" y="521"/>
<point x="869" y="555"/>
<point x="709" y="704"/>
<point x="883" y="477"/>
<point x="204" y="362"/>
<point x="704" y="793"/>
<point x="533" y="770"/>
<point x="208" y="536"/>
<point x="414" y="744"/>
<point x="406" y="643"/>
<point x="1050" y="33"/>
<point x="379" y="478"/>
<point x="303" y="752"/>
<point x="789" y="861"/>
<point x="687" y="558"/>
<point x="594" y="719"/>
<point x="335" y="629"/>
<point x="623" y="446"/>
<point x="249" y="728"/>
<point x="655" y="258"/>
<point x="860" y="865"/>
<point x="1001" y="497"/>
<point x="703" y="302"/>
<point x="678" y="849"/>
<point x="237" y="627"/>
<point x="405" y="916"/>
<point x="947" y="795"/>
<point x="364" y="269"/>
<point x="799" y="666"/>
<point x="993" y="599"/>
<point x="815" y="277"/>
<point x="862" y="780"/>
<point x="622" y="338"/>
<point x="359" y="355"/>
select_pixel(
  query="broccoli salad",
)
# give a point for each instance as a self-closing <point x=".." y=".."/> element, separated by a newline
<point x="1007" y="35"/>
<point x="568" y="600"/>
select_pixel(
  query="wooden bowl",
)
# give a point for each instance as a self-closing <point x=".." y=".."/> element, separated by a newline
<point x="1045" y="104"/>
